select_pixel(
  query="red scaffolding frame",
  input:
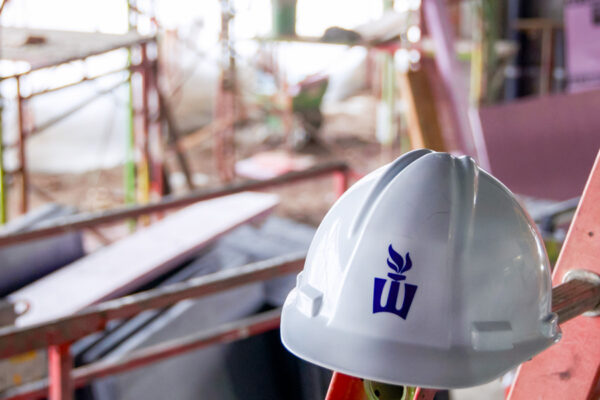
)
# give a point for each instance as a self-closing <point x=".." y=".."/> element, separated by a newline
<point x="58" y="334"/>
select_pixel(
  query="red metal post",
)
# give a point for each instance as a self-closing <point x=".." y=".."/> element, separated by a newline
<point x="340" y="182"/>
<point x="225" y="108"/>
<point x="425" y="394"/>
<point x="571" y="368"/>
<point x="21" y="144"/>
<point x="59" y="373"/>
<point x="156" y="150"/>
<point x="67" y="329"/>
<point x="345" y="387"/>
<point x="225" y="333"/>
<point x="142" y="135"/>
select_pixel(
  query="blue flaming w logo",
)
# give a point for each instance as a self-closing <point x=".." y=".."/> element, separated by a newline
<point x="400" y="265"/>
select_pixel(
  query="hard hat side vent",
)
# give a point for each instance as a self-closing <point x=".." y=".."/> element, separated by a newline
<point x="394" y="169"/>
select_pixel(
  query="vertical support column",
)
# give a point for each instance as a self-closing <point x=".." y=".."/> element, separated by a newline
<point x="155" y="134"/>
<point x="60" y="364"/>
<point x="288" y="109"/>
<point x="386" y="120"/>
<point x="143" y="175"/>
<point x="129" y="167"/>
<point x="425" y="394"/>
<point x="477" y="76"/>
<point x="21" y="149"/>
<point x="3" y="196"/>
<point x="340" y="182"/>
<point x="345" y="387"/>
<point x="547" y="58"/>
<point x="225" y="114"/>
<point x="2" y="179"/>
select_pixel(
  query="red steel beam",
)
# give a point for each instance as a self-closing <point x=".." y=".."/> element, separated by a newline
<point x="71" y="84"/>
<point x="53" y="121"/>
<point x="225" y="333"/>
<point x="18" y="340"/>
<point x="345" y="387"/>
<point x="571" y="368"/>
<point x="60" y="364"/>
<point x="23" y="133"/>
<point x="87" y="220"/>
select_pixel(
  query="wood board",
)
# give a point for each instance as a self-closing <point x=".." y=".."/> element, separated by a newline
<point x="56" y="47"/>
<point x="131" y="262"/>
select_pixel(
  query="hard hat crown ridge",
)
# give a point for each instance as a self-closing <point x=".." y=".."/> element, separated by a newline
<point x="425" y="271"/>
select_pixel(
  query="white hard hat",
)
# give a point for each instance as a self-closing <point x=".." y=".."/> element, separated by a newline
<point x="427" y="272"/>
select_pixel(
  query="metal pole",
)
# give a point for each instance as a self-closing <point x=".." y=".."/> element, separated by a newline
<point x="59" y="373"/>
<point x="68" y="113"/>
<point x="18" y="340"/>
<point x="225" y="333"/>
<point x="2" y="183"/>
<point x="2" y="176"/>
<point x="156" y="150"/>
<point x="143" y="176"/>
<point x="129" y="166"/>
<point x="68" y="85"/>
<point x="340" y="183"/>
<point x="21" y="144"/>
<point x="87" y="220"/>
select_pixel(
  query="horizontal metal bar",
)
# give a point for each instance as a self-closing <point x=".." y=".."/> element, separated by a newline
<point x="576" y="294"/>
<point x="83" y="80"/>
<point x="80" y="221"/>
<point x="574" y="298"/>
<point x="83" y="104"/>
<point x="225" y="333"/>
<point x="18" y="340"/>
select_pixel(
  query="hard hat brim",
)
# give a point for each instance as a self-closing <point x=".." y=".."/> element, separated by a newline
<point x="396" y="363"/>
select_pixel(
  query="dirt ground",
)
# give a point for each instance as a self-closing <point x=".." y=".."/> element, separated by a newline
<point x="343" y="137"/>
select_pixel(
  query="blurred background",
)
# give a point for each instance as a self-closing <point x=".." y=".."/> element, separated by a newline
<point x="115" y="104"/>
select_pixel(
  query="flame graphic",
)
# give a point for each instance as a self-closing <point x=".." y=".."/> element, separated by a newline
<point x="397" y="263"/>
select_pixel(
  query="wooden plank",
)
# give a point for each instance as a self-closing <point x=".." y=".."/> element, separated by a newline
<point x="570" y="369"/>
<point x="424" y="127"/>
<point x="466" y="123"/>
<point x="54" y="47"/>
<point x="129" y="263"/>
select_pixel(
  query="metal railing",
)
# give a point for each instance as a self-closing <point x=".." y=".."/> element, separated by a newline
<point x="58" y="334"/>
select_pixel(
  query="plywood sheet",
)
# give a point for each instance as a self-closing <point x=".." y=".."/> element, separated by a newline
<point x="544" y="147"/>
<point x="129" y="263"/>
<point x="42" y="47"/>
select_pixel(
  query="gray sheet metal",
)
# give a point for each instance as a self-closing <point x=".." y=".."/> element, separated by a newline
<point x="22" y="264"/>
<point x="207" y="373"/>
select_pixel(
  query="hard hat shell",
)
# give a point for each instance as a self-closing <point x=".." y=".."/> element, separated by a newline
<point x="426" y="272"/>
